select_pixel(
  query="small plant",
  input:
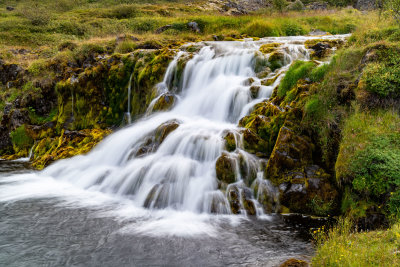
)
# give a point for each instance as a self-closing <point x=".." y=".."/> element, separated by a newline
<point x="261" y="28"/>
<point x="20" y="139"/>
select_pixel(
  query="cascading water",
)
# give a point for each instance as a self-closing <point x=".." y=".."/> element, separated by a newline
<point x="128" y="111"/>
<point x="167" y="159"/>
<point x="133" y="197"/>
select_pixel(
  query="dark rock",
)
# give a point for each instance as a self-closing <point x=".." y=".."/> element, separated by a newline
<point x="234" y="199"/>
<point x="9" y="72"/>
<point x="163" y="28"/>
<point x="366" y="4"/>
<point x="10" y="8"/>
<point x="254" y="91"/>
<point x="165" y="129"/>
<point x="318" y="6"/>
<point x="320" y="49"/>
<point x="5" y="140"/>
<point x="194" y="26"/>
<point x="295" y="263"/>
<point x="18" y="117"/>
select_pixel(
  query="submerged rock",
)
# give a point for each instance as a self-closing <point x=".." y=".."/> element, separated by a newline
<point x="230" y="141"/>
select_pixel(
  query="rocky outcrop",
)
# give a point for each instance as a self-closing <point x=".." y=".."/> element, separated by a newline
<point x="366" y="4"/>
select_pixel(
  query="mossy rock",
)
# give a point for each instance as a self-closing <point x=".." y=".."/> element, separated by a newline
<point x="269" y="48"/>
<point x="165" y="129"/>
<point x="230" y="141"/>
<point x="276" y="60"/>
<point x="165" y="102"/>
<point x="225" y="169"/>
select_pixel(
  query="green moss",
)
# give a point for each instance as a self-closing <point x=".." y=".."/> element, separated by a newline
<point x="298" y="70"/>
<point x="20" y="139"/>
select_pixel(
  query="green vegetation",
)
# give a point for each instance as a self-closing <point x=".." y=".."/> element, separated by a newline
<point x="22" y="142"/>
<point x="298" y="70"/>
<point x="343" y="246"/>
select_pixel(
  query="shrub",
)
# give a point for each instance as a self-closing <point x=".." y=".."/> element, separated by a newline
<point x="20" y="139"/>
<point x="279" y="5"/>
<point x="291" y="28"/>
<point x="298" y="70"/>
<point x="296" y="6"/>
<point x="260" y="28"/>
<point x="382" y="79"/>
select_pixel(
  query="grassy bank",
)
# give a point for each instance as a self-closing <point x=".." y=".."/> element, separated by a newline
<point x="47" y="26"/>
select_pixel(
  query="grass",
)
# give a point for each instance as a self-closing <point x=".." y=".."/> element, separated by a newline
<point x="298" y="70"/>
<point x="343" y="246"/>
<point x="42" y="25"/>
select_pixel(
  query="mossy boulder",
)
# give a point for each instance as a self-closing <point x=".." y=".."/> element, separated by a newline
<point x="276" y="60"/>
<point x="269" y="48"/>
<point x="291" y="152"/>
<point x="225" y="169"/>
<point x="165" y="129"/>
<point x="165" y="102"/>
<point x="230" y="141"/>
<point x="240" y="198"/>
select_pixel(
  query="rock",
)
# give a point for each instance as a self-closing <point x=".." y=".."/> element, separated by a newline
<point x="318" y="6"/>
<point x="291" y="152"/>
<point x="10" y="8"/>
<point x="234" y="199"/>
<point x="194" y="26"/>
<point x="165" y="129"/>
<point x="366" y="4"/>
<point x="234" y="8"/>
<point x="296" y="6"/>
<point x="164" y="102"/>
<point x="5" y="140"/>
<point x="225" y="169"/>
<point x="295" y="263"/>
<point x="269" y="48"/>
<point x="17" y="118"/>
<point x="276" y="60"/>
<point x="10" y="72"/>
<point x="254" y="91"/>
<point x="317" y="32"/>
<point x="230" y="141"/>
<point x="163" y="28"/>
<point x="320" y="50"/>
<point x="253" y="143"/>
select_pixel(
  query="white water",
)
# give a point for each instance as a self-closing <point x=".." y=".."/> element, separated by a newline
<point x="128" y="111"/>
<point x="179" y="174"/>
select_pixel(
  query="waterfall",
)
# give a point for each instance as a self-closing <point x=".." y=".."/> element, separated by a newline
<point x="167" y="159"/>
<point x="128" y="111"/>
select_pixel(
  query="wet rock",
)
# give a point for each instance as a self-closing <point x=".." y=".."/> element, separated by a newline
<point x="164" y="102"/>
<point x="194" y="26"/>
<point x="291" y="152"/>
<point x="234" y="199"/>
<point x="165" y="129"/>
<point x="248" y="81"/>
<point x="254" y="91"/>
<point x="230" y="141"/>
<point x="269" y="48"/>
<point x="295" y="263"/>
<point x="320" y="50"/>
<point x="253" y="143"/>
<point x="276" y="60"/>
<point x="264" y="73"/>
<point x="163" y="28"/>
<point x="225" y="169"/>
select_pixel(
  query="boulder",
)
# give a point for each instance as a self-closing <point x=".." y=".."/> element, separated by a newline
<point x="10" y="8"/>
<point x="230" y="141"/>
<point x="164" y="102"/>
<point x="366" y="4"/>
<point x="163" y="28"/>
<point x="225" y="169"/>
<point x="276" y="60"/>
<point x="318" y="6"/>
<point x="165" y="129"/>
<point x="194" y="26"/>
